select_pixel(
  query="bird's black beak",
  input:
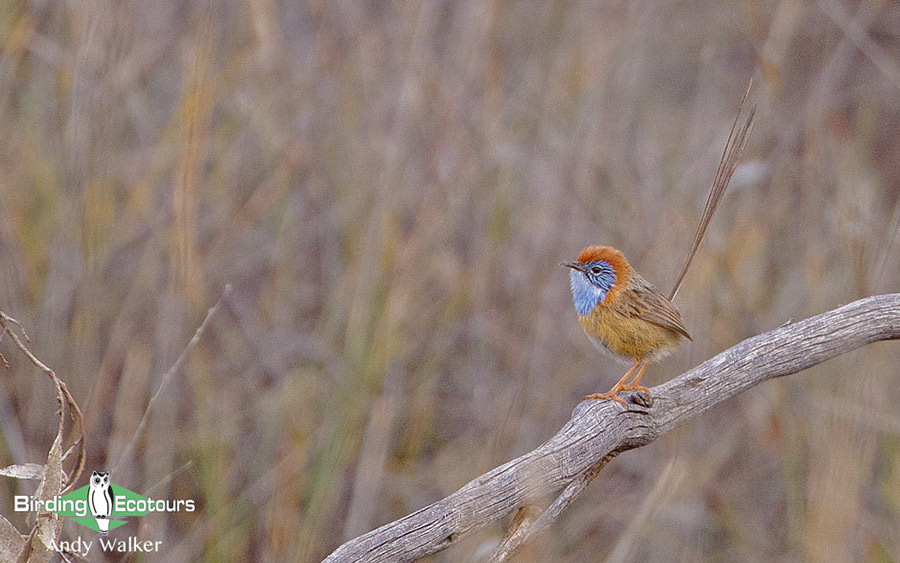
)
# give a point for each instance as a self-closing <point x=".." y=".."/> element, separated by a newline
<point x="574" y="265"/>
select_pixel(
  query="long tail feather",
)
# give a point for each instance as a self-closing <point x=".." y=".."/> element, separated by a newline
<point x="737" y="138"/>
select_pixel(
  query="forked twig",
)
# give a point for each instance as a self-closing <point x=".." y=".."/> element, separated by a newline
<point x="524" y="529"/>
<point x="599" y="429"/>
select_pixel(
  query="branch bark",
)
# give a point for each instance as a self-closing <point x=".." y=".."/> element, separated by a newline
<point x="600" y="430"/>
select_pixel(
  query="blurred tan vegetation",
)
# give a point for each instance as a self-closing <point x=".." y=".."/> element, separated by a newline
<point x="389" y="188"/>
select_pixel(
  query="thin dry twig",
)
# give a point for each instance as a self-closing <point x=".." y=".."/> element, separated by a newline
<point x="168" y="375"/>
<point x="859" y="36"/>
<point x="600" y="430"/>
<point x="167" y="479"/>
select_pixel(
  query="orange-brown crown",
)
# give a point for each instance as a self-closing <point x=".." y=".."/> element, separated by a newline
<point x="614" y="258"/>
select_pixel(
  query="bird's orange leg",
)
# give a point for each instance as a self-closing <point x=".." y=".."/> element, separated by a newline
<point x="635" y="383"/>
<point x="619" y="386"/>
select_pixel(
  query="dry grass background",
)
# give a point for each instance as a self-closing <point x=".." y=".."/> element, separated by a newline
<point x="389" y="188"/>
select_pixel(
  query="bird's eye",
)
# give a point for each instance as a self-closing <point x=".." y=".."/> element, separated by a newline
<point x="596" y="269"/>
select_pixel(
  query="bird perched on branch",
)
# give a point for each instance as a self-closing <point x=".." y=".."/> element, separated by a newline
<point x="624" y="314"/>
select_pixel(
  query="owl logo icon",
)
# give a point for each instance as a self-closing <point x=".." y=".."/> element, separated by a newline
<point x="100" y="499"/>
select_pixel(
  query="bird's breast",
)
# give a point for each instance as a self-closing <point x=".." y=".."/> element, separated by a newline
<point x="616" y="330"/>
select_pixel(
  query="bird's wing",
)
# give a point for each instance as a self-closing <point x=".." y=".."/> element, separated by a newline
<point x="654" y="307"/>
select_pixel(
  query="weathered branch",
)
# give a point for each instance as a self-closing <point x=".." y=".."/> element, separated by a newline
<point x="599" y="430"/>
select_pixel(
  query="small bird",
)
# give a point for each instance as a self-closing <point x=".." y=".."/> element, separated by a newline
<point x="621" y="312"/>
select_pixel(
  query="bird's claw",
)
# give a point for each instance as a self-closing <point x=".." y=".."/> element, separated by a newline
<point x="614" y="394"/>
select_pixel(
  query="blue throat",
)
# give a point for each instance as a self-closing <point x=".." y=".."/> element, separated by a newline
<point x="591" y="288"/>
